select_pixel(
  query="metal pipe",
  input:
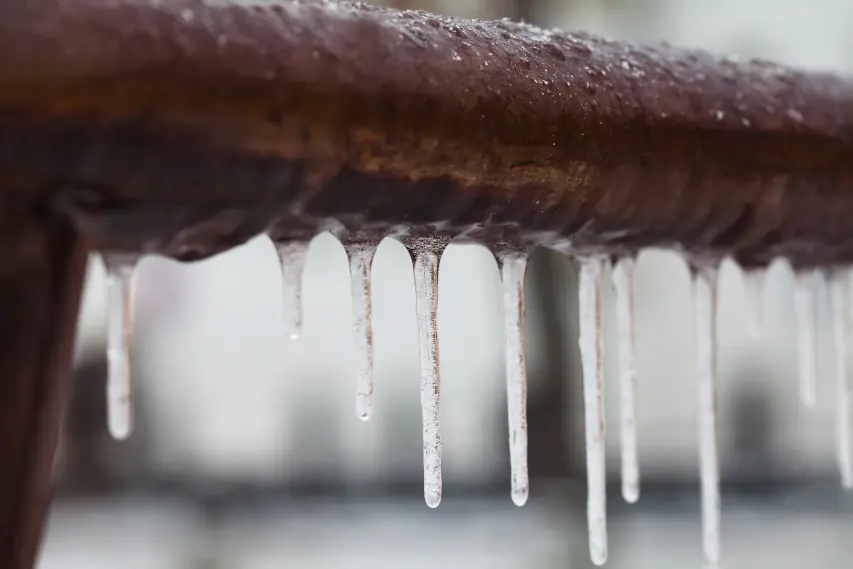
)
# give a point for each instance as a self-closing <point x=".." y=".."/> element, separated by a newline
<point x="187" y="127"/>
<point x="41" y="280"/>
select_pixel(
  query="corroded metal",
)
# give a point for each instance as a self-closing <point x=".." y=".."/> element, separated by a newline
<point x="41" y="279"/>
<point x="187" y="126"/>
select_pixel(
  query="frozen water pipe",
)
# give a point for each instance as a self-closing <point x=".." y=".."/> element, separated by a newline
<point x="186" y="128"/>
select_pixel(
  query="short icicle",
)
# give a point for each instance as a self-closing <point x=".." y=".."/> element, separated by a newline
<point x="839" y="297"/>
<point x="427" y="252"/>
<point x="753" y="282"/>
<point x="292" y="256"/>
<point x="591" y="320"/>
<point x="513" y="267"/>
<point x="623" y="283"/>
<point x="120" y="284"/>
<point x="705" y="299"/>
<point x="804" y="306"/>
<point x="360" y="261"/>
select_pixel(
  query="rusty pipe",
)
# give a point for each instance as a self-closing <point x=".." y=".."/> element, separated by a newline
<point x="186" y="127"/>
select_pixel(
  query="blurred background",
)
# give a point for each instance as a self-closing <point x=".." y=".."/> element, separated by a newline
<point x="248" y="453"/>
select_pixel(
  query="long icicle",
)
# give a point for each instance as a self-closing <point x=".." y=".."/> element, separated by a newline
<point x="839" y="296"/>
<point x="121" y="271"/>
<point x="623" y="283"/>
<point x="360" y="261"/>
<point x="426" y="255"/>
<point x="292" y="256"/>
<point x="705" y="299"/>
<point x="591" y="349"/>
<point x="513" y="267"/>
<point x="804" y="305"/>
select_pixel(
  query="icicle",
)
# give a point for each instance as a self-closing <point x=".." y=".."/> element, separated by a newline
<point x="591" y="349"/>
<point x="513" y="266"/>
<point x="623" y="282"/>
<point x="839" y="296"/>
<point x="427" y="252"/>
<point x="120" y="275"/>
<point x="804" y="305"/>
<point x="292" y="255"/>
<point x="360" y="260"/>
<point x="753" y="282"/>
<point x="705" y="298"/>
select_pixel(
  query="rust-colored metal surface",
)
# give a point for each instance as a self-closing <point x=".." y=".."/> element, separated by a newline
<point x="42" y="266"/>
<point x="187" y="126"/>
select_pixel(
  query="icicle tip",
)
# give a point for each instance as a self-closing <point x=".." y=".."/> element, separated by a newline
<point x="598" y="555"/>
<point x="432" y="497"/>
<point x="631" y="494"/>
<point x="520" y="495"/>
<point x="120" y="427"/>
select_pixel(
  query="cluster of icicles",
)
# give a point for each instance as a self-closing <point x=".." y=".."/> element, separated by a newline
<point x="426" y="253"/>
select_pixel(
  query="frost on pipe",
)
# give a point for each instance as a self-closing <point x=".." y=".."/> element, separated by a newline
<point x="187" y="127"/>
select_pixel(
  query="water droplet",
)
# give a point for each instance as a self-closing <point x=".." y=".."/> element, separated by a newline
<point x="590" y="341"/>
<point x="705" y="299"/>
<point x="120" y="276"/>
<point x="360" y="261"/>
<point x="839" y="291"/>
<point x="427" y="253"/>
<point x="804" y="306"/>
<point x="513" y="267"/>
<point x="292" y="256"/>
<point x="623" y="282"/>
